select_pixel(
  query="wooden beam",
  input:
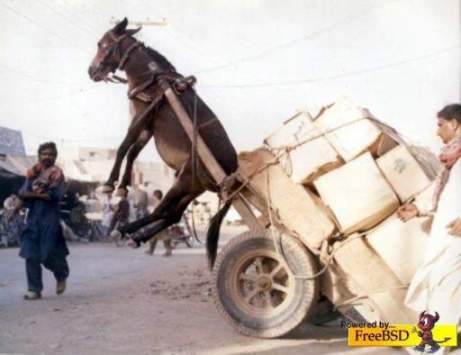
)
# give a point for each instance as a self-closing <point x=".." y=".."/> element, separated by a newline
<point x="209" y="160"/>
<point x="146" y="22"/>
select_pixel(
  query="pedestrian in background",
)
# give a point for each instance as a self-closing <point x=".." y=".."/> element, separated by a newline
<point x="121" y="212"/>
<point x="107" y="213"/>
<point x="163" y="235"/>
<point x="139" y="200"/>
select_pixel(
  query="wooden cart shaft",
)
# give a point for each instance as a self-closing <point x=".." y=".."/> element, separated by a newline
<point x="208" y="159"/>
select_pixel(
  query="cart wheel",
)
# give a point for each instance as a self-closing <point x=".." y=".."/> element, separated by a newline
<point x="256" y="291"/>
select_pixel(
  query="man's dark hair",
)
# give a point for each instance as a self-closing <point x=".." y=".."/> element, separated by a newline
<point x="158" y="194"/>
<point x="450" y="112"/>
<point x="48" y="145"/>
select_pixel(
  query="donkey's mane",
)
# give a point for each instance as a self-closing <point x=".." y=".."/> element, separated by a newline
<point x="160" y="59"/>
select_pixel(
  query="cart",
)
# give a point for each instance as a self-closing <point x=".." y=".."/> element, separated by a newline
<point x="267" y="281"/>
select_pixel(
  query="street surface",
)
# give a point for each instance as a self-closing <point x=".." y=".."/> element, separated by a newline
<point x="122" y="301"/>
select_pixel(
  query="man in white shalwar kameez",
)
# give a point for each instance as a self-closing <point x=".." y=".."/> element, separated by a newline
<point x="436" y="286"/>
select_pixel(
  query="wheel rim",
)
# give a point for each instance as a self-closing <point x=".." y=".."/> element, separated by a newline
<point x="262" y="284"/>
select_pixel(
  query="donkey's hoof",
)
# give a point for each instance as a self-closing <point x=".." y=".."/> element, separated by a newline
<point x="105" y="189"/>
<point x="121" y="191"/>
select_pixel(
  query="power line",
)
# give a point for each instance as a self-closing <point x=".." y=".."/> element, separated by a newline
<point x="70" y="8"/>
<point x="68" y="19"/>
<point x="11" y="70"/>
<point x="337" y="76"/>
<point x="30" y="20"/>
<point x="284" y="45"/>
<point x="64" y="96"/>
<point x="69" y="140"/>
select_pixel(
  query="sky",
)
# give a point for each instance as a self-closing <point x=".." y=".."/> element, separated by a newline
<point x="257" y="63"/>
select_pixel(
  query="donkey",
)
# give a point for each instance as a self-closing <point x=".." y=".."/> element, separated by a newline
<point x="118" y="49"/>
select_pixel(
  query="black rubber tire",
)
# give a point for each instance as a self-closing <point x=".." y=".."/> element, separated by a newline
<point x="297" y="303"/>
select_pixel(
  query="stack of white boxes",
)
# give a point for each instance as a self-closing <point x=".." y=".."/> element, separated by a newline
<point x="359" y="175"/>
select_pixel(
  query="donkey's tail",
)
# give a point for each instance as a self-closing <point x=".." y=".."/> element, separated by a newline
<point x="213" y="233"/>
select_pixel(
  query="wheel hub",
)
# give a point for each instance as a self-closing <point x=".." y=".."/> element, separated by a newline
<point x="264" y="283"/>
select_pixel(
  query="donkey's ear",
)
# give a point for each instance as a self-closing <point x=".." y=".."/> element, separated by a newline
<point x="133" y="32"/>
<point x="120" y="27"/>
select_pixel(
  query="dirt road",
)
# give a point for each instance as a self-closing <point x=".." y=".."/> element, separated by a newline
<point x="121" y="301"/>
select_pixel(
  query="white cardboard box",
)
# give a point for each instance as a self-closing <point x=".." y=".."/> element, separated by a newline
<point x="348" y="128"/>
<point x="298" y="211"/>
<point x="368" y="276"/>
<point x="312" y="156"/>
<point x="357" y="194"/>
<point x="401" y="245"/>
<point x="403" y="172"/>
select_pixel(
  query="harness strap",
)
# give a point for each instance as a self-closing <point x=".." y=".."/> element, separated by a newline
<point x="126" y="55"/>
<point x="179" y="83"/>
<point x="139" y="89"/>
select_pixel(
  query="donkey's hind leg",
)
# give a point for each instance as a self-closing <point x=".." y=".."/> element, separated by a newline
<point x="170" y="217"/>
<point x="171" y="208"/>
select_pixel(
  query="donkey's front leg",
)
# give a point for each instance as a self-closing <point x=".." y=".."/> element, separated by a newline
<point x="128" y="141"/>
<point x="133" y="153"/>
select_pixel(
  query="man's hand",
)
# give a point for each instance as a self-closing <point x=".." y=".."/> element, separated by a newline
<point x="28" y="195"/>
<point x="454" y="227"/>
<point x="407" y="212"/>
<point x="44" y="196"/>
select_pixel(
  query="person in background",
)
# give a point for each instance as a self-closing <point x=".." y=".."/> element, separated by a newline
<point x="139" y="202"/>
<point x="436" y="286"/>
<point x="12" y="220"/>
<point x="121" y="212"/>
<point x="107" y="213"/>
<point x="42" y="241"/>
<point x="163" y="235"/>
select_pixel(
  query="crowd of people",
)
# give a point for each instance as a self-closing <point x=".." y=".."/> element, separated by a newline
<point x="85" y="219"/>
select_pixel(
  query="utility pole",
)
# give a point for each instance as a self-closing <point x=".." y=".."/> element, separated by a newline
<point x="146" y="22"/>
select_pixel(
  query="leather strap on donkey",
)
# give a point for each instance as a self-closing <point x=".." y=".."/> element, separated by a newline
<point x="208" y="159"/>
<point x="179" y="83"/>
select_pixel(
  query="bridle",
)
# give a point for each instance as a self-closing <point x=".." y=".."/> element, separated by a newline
<point x="114" y="52"/>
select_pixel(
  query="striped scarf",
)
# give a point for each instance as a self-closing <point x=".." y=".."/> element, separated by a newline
<point x="449" y="155"/>
<point x="49" y="177"/>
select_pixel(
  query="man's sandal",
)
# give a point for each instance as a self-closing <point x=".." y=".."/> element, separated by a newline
<point x="31" y="296"/>
<point x="60" y="287"/>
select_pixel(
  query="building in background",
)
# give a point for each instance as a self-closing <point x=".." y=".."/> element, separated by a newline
<point x="13" y="161"/>
<point x="95" y="164"/>
<point x="11" y="142"/>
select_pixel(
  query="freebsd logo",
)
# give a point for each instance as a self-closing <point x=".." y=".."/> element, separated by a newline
<point x="426" y="324"/>
<point x="426" y="336"/>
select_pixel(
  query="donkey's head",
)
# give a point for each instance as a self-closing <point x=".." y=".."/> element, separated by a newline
<point x="110" y="51"/>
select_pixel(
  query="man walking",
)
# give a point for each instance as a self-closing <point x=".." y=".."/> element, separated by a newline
<point x="42" y="241"/>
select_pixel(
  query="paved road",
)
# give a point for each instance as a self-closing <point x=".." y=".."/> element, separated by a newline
<point x="121" y="301"/>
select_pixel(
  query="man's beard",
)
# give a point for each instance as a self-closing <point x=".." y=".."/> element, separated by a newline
<point x="47" y="162"/>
